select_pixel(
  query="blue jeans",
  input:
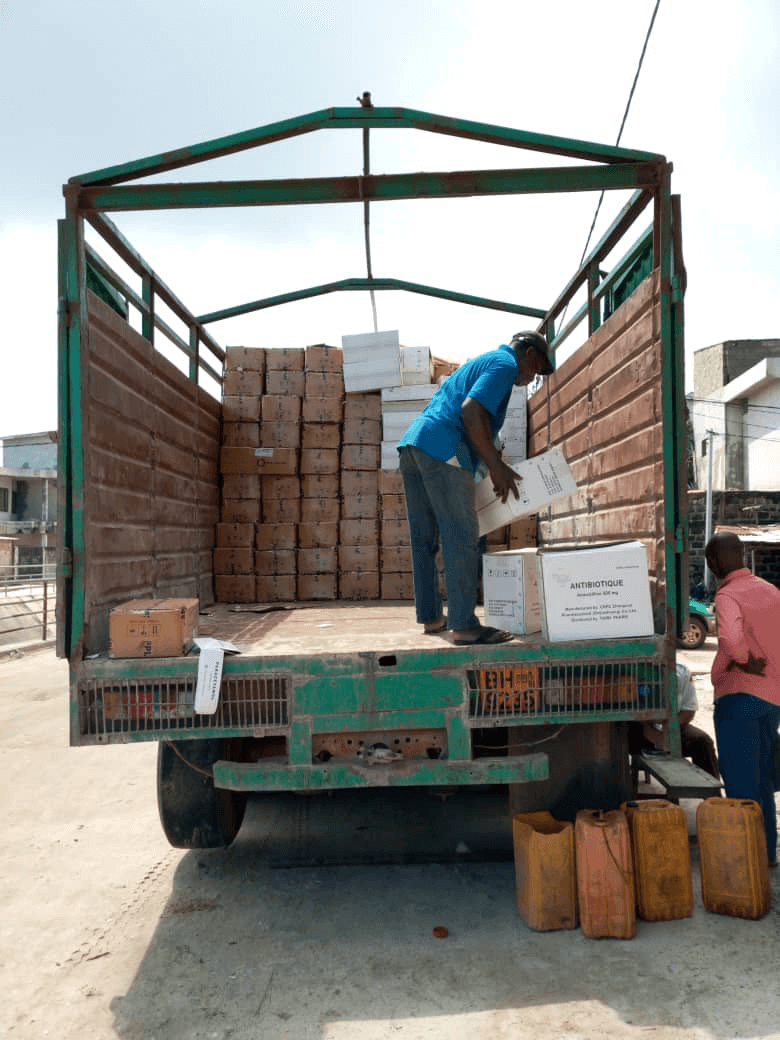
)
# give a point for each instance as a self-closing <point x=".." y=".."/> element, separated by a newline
<point x="745" y="727"/>
<point x="440" y="509"/>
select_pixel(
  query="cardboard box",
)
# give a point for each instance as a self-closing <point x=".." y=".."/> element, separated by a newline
<point x="320" y="357"/>
<point x="235" y="536"/>
<point x="275" y="536"/>
<point x="240" y="382"/>
<point x="251" y="461"/>
<point x="241" y="511"/>
<point x="416" y="366"/>
<point x="362" y="431"/>
<point x="324" y="384"/>
<point x="282" y="510"/>
<point x="234" y="561"/>
<point x="320" y="510"/>
<point x="277" y="408"/>
<point x="318" y="535"/>
<point x="523" y="532"/>
<point x="234" y="588"/>
<point x="322" y="410"/>
<point x="510" y="585"/>
<point x="240" y="486"/>
<point x="316" y="561"/>
<point x="237" y="408"/>
<point x="396" y="559"/>
<point x="360" y="456"/>
<point x="320" y="435"/>
<point x="283" y="381"/>
<point x="359" y="482"/>
<point x="287" y="486"/>
<point x="284" y="359"/>
<point x="359" y="532"/>
<point x="595" y="593"/>
<point x="319" y="460"/>
<point x="360" y="507"/>
<point x="276" y="588"/>
<point x="363" y="406"/>
<point x="275" y="434"/>
<point x="316" y="586"/>
<point x="545" y="479"/>
<point x="355" y="558"/>
<point x="397" y="586"/>
<point x="390" y="482"/>
<point x="241" y="434"/>
<point x="275" y="561"/>
<point x="320" y="485"/>
<point x="372" y="360"/>
<point x="393" y="507"/>
<point x="152" y="627"/>
<point x="249" y="358"/>
<point x="395" y="531"/>
<point x="359" y="585"/>
<point x="388" y="458"/>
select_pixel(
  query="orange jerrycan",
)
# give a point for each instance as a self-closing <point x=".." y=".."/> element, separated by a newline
<point x="662" y="859"/>
<point x="733" y="857"/>
<point x="605" y="877"/>
<point x="546" y="879"/>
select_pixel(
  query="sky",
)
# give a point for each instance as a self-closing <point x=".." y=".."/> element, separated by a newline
<point x="94" y="83"/>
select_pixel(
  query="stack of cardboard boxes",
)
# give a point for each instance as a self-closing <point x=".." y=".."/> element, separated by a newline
<point x="313" y="508"/>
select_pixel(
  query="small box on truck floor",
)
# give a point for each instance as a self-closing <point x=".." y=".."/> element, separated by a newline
<point x="595" y="593"/>
<point x="511" y="590"/>
<point x="153" y="627"/>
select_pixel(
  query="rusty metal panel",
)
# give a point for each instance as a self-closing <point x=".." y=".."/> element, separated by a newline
<point x="603" y="407"/>
<point x="150" y="464"/>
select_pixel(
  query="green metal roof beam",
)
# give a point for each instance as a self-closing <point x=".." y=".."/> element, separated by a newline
<point x="325" y="190"/>
<point x="359" y="284"/>
<point x="360" y="118"/>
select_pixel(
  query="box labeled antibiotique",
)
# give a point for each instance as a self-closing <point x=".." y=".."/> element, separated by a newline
<point x="511" y="590"/>
<point x="544" y="479"/>
<point x="595" y="593"/>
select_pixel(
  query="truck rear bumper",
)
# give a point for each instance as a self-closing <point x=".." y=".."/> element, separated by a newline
<point x="260" y="776"/>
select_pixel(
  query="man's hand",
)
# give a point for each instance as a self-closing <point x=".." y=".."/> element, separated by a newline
<point x="753" y="665"/>
<point x="504" y="480"/>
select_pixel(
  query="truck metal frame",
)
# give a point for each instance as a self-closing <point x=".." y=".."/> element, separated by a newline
<point x="306" y="720"/>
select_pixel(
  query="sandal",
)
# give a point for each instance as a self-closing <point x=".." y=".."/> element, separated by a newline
<point x="432" y="628"/>
<point x="485" y="635"/>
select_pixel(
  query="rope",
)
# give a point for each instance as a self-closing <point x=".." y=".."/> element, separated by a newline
<point x="196" y="769"/>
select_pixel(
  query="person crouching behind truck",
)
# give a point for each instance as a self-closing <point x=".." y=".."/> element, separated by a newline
<point x="439" y="455"/>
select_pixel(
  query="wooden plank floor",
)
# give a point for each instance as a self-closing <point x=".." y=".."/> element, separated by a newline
<point x="318" y="628"/>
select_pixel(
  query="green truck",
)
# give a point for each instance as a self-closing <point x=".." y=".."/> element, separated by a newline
<point x="334" y="695"/>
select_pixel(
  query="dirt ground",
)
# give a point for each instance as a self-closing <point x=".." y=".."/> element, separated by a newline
<point x="317" y="922"/>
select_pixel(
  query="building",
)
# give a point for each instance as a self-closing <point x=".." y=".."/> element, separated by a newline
<point x="28" y="505"/>
<point x="735" y="414"/>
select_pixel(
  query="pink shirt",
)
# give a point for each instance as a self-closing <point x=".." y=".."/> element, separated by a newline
<point x="748" y="621"/>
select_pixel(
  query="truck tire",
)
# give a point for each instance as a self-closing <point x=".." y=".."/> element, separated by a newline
<point x="194" y="813"/>
<point x="694" y="633"/>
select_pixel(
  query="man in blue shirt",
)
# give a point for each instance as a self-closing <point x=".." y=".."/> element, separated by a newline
<point x="439" y="455"/>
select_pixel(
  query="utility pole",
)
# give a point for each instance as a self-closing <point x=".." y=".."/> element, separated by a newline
<point x="708" y="507"/>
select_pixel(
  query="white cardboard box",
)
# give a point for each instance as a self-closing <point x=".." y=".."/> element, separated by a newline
<point x="416" y="366"/>
<point x="510" y="582"/>
<point x="595" y="593"/>
<point x="545" y="478"/>
<point x="389" y="455"/>
<point x="372" y="360"/>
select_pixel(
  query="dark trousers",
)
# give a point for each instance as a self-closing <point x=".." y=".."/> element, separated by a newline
<point x="745" y="727"/>
<point x="700" y="748"/>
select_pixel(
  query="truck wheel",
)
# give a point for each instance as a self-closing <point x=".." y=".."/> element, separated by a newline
<point x="194" y="813"/>
<point x="694" y="633"/>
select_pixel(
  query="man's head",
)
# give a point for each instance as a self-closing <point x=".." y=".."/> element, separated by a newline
<point x="724" y="554"/>
<point x="533" y="356"/>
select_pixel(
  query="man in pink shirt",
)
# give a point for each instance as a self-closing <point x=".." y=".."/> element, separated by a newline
<point x="746" y="679"/>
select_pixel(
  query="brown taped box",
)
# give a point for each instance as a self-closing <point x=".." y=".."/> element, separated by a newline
<point x="318" y="535"/>
<point x="282" y="460"/>
<point x="359" y="585"/>
<point x="359" y="482"/>
<point x="324" y="410"/>
<point x="234" y="588"/>
<point x="320" y="435"/>
<point x="278" y="588"/>
<point x="320" y="485"/>
<point x="359" y="507"/>
<point x="236" y="408"/>
<point x="282" y="510"/>
<point x="152" y="627"/>
<point x="319" y="460"/>
<point x="278" y="408"/>
<point x="288" y="486"/>
<point x="235" y="536"/>
<point x="396" y="559"/>
<point x="241" y="434"/>
<point x="497" y="539"/>
<point x="250" y="358"/>
<point x="275" y="561"/>
<point x="522" y="532"/>
<point x="284" y="382"/>
<point x="316" y="586"/>
<point x="362" y="431"/>
<point x="240" y="382"/>
<point x="316" y="561"/>
<point x="276" y="536"/>
<point x="363" y="406"/>
<point x="320" y="510"/>
<point x="393" y="507"/>
<point x="394" y="532"/>
<point x="234" y="561"/>
<point x="285" y="359"/>
<point x="280" y="435"/>
<point x="358" y="532"/>
<point x="358" y="558"/>
<point x="397" y="586"/>
<point x="240" y="511"/>
<point x="241" y="485"/>
<point x="390" y="482"/>
<point x="324" y="384"/>
<point x="360" y="456"/>
<point x="320" y="357"/>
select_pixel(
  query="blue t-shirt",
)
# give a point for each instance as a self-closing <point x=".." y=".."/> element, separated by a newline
<point x="439" y="430"/>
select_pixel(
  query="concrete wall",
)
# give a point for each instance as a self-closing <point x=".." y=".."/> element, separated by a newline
<point x="733" y="507"/>
<point x="717" y="365"/>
